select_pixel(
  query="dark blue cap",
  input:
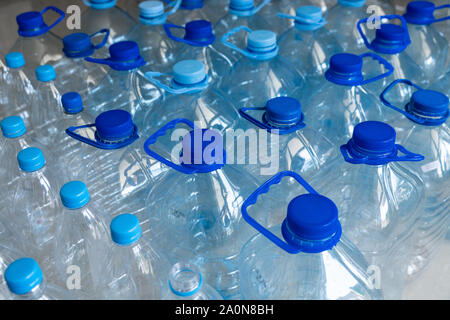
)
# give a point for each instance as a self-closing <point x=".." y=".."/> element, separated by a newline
<point x="312" y="217"/>
<point x="13" y="127"/>
<point x="124" y="51"/>
<point x="31" y="159"/>
<point x="420" y="12"/>
<point x="77" y="45"/>
<point x="125" y="229"/>
<point x="283" y="110"/>
<point x="72" y="102"/>
<point x="74" y="195"/>
<point x="197" y="149"/>
<point x="114" y="125"/>
<point x="23" y="275"/>
<point x="191" y="4"/>
<point x="199" y="31"/>
<point x="390" y="39"/>
<point x="428" y="103"/>
<point x="31" y="23"/>
<point x="345" y="68"/>
<point x="374" y="137"/>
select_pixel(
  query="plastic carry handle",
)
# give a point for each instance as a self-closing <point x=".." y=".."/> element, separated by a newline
<point x="108" y="62"/>
<point x="386" y="64"/>
<point x="314" y="24"/>
<point x="176" y="4"/>
<point x="264" y="188"/>
<point x="162" y="131"/>
<point x="441" y="7"/>
<point x="392" y="85"/>
<point x="232" y="46"/>
<point x="151" y="76"/>
<point x="105" y="38"/>
<point x="61" y="13"/>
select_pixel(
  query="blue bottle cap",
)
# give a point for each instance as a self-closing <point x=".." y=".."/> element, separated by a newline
<point x="352" y="3"/>
<point x="114" y="125"/>
<point x="189" y="72"/>
<point x="45" y="73"/>
<point x="23" y="275"/>
<point x="311" y="217"/>
<point x="374" y="137"/>
<point x="77" y="45"/>
<point x="311" y="13"/>
<point x="31" y="23"/>
<point x="151" y="9"/>
<point x="100" y="4"/>
<point x="345" y="68"/>
<point x="124" y="51"/>
<point x="14" y="60"/>
<point x="420" y="12"/>
<point x="428" y="103"/>
<point x="74" y="195"/>
<point x="31" y="159"/>
<point x="125" y="229"/>
<point x="261" y="41"/>
<point x="283" y="111"/>
<point x="390" y="39"/>
<point x="72" y="102"/>
<point x="242" y="5"/>
<point x="191" y="4"/>
<point x="199" y="31"/>
<point x="13" y="127"/>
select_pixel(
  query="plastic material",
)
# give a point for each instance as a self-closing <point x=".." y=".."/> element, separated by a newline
<point x="74" y="195"/>
<point x="422" y="12"/>
<point x="307" y="18"/>
<point x="23" y="275"/>
<point x="31" y="159"/>
<point x="100" y="4"/>
<point x="45" y="73"/>
<point x="125" y="229"/>
<point x="152" y="12"/>
<point x="13" y="127"/>
<point x="79" y="45"/>
<point x="72" y="102"/>
<point x="14" y="60"/>
<point x="197" y="33"/>
<point x="31" y="24"/>
<point x="124" y="55"/>
<point x="245" y="8"/>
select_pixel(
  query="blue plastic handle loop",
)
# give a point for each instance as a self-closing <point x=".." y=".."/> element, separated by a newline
<point x="382" y="61"/>
<point x="100" y="6"/>
<point x="45" y="29"/>
<point x="395" y="49"/>
<point x="209" y="36"/>
<point x="422" y="12"/>
<point x="407" y="112"/>
<point x="304" y="23"/>
<point x="174" y="87"/>
<point x="264" y="124"/>
<point x="247" y="12"/>
<point x="264" y="188"/>
<point x="252" y="55"/>
<point x="104" y="40"/>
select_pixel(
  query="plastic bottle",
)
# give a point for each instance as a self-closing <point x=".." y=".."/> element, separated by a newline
<point x="102" y="14"/>
<point x="186" y="283"/>
<point x="7" y="256"/>
<point x="380" y="200"/>
<point x="305" y="257"/>
<point x="424" y="127"/>
<point x="191" y="10"/>
<point x="261" y="74"/>
<point x="135" y="269"/>
<point x="335" y="107"/>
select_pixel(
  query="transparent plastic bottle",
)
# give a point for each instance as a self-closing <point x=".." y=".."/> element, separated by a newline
<point x="7" y="256"/>
<point x="262" y="73"/>
<point x="423" y="126"/>
<point x="380" y="200"/>
<point x="305" y="257"/>
<point x="135" y="269"/>
<point x="186" y="283"/>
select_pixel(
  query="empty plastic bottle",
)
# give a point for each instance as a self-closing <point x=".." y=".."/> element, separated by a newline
<point x="197" y="202"/>
<point x="291" y="143"/>
<point x="200" y="44"/>
<point x="240" y="13"/>
<point x="380" y="200"/>
<point x="132" y="91"/>
<point x="308" y="45"/>
<point x="82" y="241"/>
<point x="262" y="73"/>
<point x="428" y="47"/>
<point x="134" y="269"/>
<point x="187" y="283"/>
<point x="149" y="34"/>
<point x="26" y="281"/>
<point x="35" y="42"/>
<point x="102" y="14"/>
<point x="18" y="90"/>
<point x="424" y="128"/>
<point x="343" y="101"/>
<point x="305" y="257"/>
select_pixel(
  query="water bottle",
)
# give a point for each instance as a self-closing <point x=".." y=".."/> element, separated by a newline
<point x="132" y="91"/>
<point x="308" y="45"/>
<point x="240" y="13"/>
<point x="187" y="283"/>
<point x="26" y="281"/>
<point x="190" y="94"/>
<point x="74" y="73"/>
<point x="190" y="10"/>
<point x="82" y="241"/>
<point x="149" y="34"/>
<point x="307" y="256"/>
<point x="35" y="42"/>
<point x="197" y="202"/>
<point x="335" y="107"/>
<point x="199" y="43"/>
<point x="102" y="14"/>
<point x="380" y="200"/>
<point x="293" y="145"/>
<point x="134" y="269"/>
<point x="424" y="128"/>
<point x="17" y="88"/>
<point x="391" y="42"/>
<point x="262" y="73"/>
<point x="428" y="47"/>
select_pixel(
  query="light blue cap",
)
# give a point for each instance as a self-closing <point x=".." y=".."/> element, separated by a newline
<point x="100" y="4"/>
<point x="14" y="60"/>
<point x="45" y="73"/>
<point x="261" y="41"/>
<point x="312" y="13"/>
<point x="241" y="5"/>
<point x="151" y="9"/>
<point x="188" y="72"/>
<point x="125" y="229"/>
<point x="23" y="275"/>
<point x="13" y="127"/>
<point x="74" y="195"/>
<point x="31" y="159"/>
